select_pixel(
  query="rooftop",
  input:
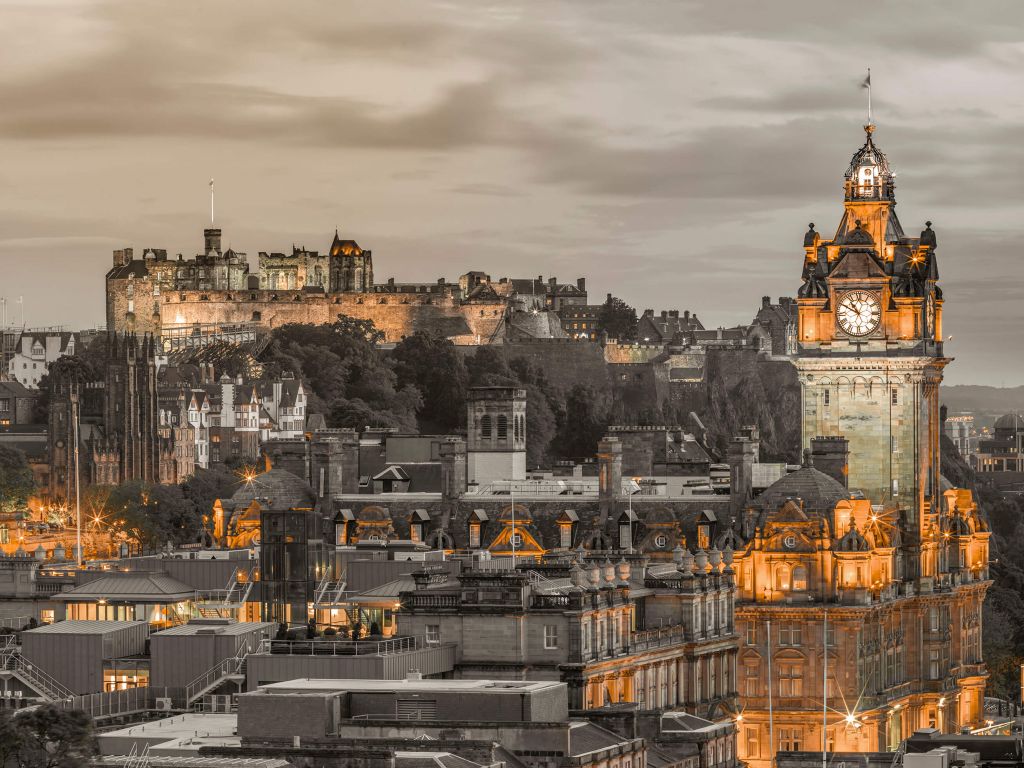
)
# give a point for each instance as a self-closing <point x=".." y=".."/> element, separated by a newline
<point x="213" y="627"/>
<point x="310" y="685"/>
<point x="132" y="586"/>
<point x="75" y="627"/>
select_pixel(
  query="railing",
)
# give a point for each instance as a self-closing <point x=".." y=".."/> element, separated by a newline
<point x="216" y="674"/>
<point x="14" y="622"/>
<point x="46" y="684"/>
<point x="417" y="600"/>
<point x="114" y="703"/>
<point x="339" y="647"/>
<point x="657" y="638"/>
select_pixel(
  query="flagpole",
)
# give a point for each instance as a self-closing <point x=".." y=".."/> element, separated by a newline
<point x="869" y="95"/>
<point x="211" y="187"/>
<point x="512" y="492"/>
<point x="824" y="696"/>
<point x="771" y="717"/>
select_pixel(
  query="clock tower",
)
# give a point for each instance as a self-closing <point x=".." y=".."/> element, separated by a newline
<point x="870" y="355"/>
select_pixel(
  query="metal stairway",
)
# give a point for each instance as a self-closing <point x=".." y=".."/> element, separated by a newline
<point x="13" y="664"/>
<point x="225" y="603"/>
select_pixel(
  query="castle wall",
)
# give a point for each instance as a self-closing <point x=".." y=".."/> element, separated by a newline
<point x="397" y="316"/>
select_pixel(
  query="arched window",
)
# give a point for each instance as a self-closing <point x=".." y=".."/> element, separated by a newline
<point x="485" y="426"/>
<point x="799" y="579"/>
<point x="502" y="427"/>
<point x="782" y="578"/>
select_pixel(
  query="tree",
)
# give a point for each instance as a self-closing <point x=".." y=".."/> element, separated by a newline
<point x="349" y="381"/>
<point x="153" y="515"/>
<point x="617" y="319"/>
<point x="205" y="486"/>
<point x="582" y="424"/>
<point x="430" y="362"/>
<point x="47" y="737"/>
<point x="16" y="481"/>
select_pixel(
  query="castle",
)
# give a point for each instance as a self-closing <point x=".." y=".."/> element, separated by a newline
<point x="187" y="302"/>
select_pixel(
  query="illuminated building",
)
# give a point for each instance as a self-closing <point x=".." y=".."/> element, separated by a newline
<point x="866" y="553"/>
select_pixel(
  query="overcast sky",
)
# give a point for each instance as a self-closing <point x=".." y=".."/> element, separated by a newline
<point x="671" y="152"/>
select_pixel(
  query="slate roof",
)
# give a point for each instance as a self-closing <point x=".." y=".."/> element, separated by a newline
<point x="818" y="491"/>
<point x="130" y="586"/>
<point x="283" y="490"/>
<point x="585" y="738"/>
<point x="134" y="268"/>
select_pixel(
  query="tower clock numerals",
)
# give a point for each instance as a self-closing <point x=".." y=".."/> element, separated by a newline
<point x="858" y="313"/>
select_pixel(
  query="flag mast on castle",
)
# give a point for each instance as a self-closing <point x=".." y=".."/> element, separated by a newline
<point x="211" y="191"/>
<point x="866" y="84"/>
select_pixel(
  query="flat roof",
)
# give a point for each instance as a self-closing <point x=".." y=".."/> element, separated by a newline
<point x="83" y="627"/>
<point x="215" y="628"/>
<point x="313" y="685"/>
<point x="187" y="724"/>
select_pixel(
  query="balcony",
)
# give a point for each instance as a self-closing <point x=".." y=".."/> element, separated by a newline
<point x="322" y="647"/>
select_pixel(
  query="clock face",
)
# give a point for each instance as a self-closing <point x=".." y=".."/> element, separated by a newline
<point x="858" y="313"/>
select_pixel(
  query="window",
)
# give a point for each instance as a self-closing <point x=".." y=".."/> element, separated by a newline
<point x="751" y="634"/>
<point x="895" y="397"/>
<point x="789" y="634"/>
<point x="704" y="536"/>
<point x="799" y="578"/>
<point x="502" y="427"/>
<point x="474" y="535"/>
<point x="485" y="426"/>
<point x="751" y="680"/>
<point x="826" y="397"/>
<point x="550" y="637"/>
<point x="782" y="578"/>
<point x="565" y="535"/>
<point x="750" y="737"/>
<point x="433" y="634"/>
<point x="894" y="442"/>
<point x="791" y="681"/>
<point x="790" y="739"/>
<point x="5" y="405"/>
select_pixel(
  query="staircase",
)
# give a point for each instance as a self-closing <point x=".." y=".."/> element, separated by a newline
<point x="225" y="603"/>
<point x="36" y="678"/>
<point x="232" y="669"/>
<point x="329" y="592"/>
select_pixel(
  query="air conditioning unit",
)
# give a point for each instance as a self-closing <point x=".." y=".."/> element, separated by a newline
<point x="163" y="705"/>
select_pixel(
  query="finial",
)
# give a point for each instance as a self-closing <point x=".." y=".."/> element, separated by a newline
<point x="859" y="224"/>
<point x="928" y="225"/>
<point x="811" y="226"/>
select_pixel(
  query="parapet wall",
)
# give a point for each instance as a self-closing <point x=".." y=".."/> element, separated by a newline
<point x="397" y="316"/>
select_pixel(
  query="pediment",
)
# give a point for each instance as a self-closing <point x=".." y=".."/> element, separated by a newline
<point x="857" y="265"/>
<point x="790" y="540"/>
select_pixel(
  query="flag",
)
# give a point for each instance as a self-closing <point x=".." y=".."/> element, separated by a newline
<point x="865" y="84"/>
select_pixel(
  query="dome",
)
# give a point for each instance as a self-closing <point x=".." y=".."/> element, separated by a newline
<point x="868" y="155"/>
<point x="1009" y="421"/>
<point x="282" y="488"/>
<point x="818" y="492"/>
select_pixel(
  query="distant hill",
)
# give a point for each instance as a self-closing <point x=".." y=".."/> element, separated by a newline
<point x="982" y="401"/>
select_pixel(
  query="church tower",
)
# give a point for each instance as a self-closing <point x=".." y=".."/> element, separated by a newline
<point x="870" y="355"/>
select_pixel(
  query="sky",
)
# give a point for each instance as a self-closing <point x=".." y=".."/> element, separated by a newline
<point x="671" y="152"/>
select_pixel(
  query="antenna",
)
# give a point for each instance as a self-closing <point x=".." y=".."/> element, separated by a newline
<point x="211" y="189"/>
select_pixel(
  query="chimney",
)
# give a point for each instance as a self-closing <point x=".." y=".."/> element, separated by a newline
<point x="454" y="470"/>
<point x="609" y="473"/>
<point x="766" y="301"/>
<point x="552" y="281"/>
<point x="119" y="257"/>
<point x="831" y="455"/>
<point x="673" y="313"/>
<point x="742" y="455"/>
<point x="581" y="283"/>
<point x="211" y="239"/>
<point x="686" y="314"/>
